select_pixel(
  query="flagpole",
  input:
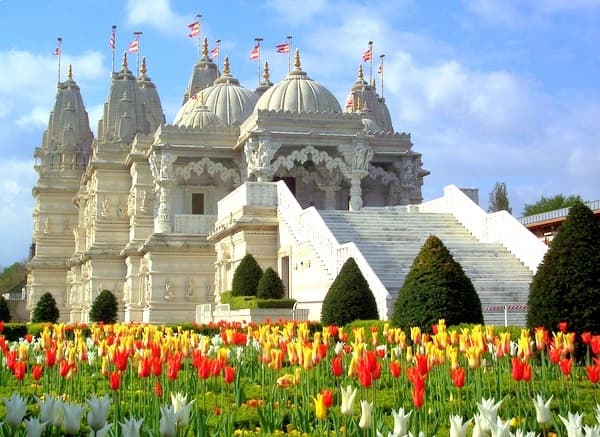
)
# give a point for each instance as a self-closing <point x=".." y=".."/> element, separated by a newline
<point x="371" y="63"/>
<point x="113" y="44"/>
<point x="59" y="42"/>
<point x="137" y="63"/>
<point x="218" y="51"/>
<point x="258" y="40"/>
<point x="381" y="72"/>
<point x="198" y="16"/>
<point x="289" y="39"/>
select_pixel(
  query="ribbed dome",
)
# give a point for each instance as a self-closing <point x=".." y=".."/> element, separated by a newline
<point x="202" y="118"/>
<point x="298" y="93"/>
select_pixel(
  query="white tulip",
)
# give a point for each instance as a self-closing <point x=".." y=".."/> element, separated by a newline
<point x="348" y="396"/>
<point x="500" y="428"/>
<point x="131" y="427"/>
<point x="573" y="423"/>
<point x="72" y="417"/>
<point x="34" y="427"/>
<point x="181" y="408"/>
<point x="401" y="421"/>
<point x="457" y="427"/>
<point x="591" y="431"/>
<point x="366" y="409"/>
<point x="488" y="409"/>
<point x="542" y="410"/>
<point x="99" y="409"/>
<point x="16" y="407"/>
<point x="168" y="421"/>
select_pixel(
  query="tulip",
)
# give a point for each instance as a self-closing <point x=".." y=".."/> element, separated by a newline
<point x="593" y="373"/>
<point x="114" y="379"/>
<point x="102" y="432"/>
<point x="542" y="410"/>
<point x="16" y="407"/>
<point x="337" y="367"/>
<point x="34" y="427"/>
<point x="489" y="412"/>
<point x="37" y="371"/>
<point x="500" y="428"/>
<point x="458" y="377"/>
<point x="565" y="366"/>
<point x="591" y="431"/>
<point x="418" y="396"/>
<point x="395" y="368"/>
<point x="366" y="409"/>
<point x="457" y="427"/>
<point x="51" y="410"/>
<point x="181" y="408"/>
<point x="98" y="414"/>
<point x="320" y="408"/>
<point x="20" y="370"/>
<point x="158" y="389"/>
<point x="72" y="417"/>
<point x="131" y="427"/>
<point x="573" y="423"/>
<point x="228" y="374"/>
<point x="477" y="428"/>
<point x="327" y="398"/>
<point x="168" y="422"/>
<point x="348" y="396"/>
<point x="401" y="421"/>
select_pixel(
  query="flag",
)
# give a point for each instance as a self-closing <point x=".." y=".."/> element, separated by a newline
<point x="367" y="54"/>
<point x="255" y="53"/>
<point x="380" y="68"/>
<point x="57" y="51"/>
<point x="350" y="102"/>
<point x="283" y="48"/>
<point x="214" y="52"/>
<point x="194" y="29"/>
<point x="113" y="39"/>
<point x="134" y="46"/>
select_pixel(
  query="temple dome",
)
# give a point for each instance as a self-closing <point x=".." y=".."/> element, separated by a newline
<point x="226" y="98"/>
<point x="202" y="118"/>
<point x="298" y="93"/>
<point x="204" y="74"/>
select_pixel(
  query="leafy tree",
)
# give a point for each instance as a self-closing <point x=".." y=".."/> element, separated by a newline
<point x="349" y="298"/>
<point x="436" y="287"/>
<point x="4" y="310"/>
<point x="12" y="275"/>
<point x="246" y="277"/>
<point x="566" y="286"/>
<point x="546" y="204"/>
<point x="498" y="200"/>
<point x="45" y="309"/>
<point x="104" y="308"/>
<point x="270" y="285"/>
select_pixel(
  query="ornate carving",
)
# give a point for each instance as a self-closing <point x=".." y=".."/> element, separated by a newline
<point x="169" y="293"/>
<point x="105" y="212"/>
<point x="408" y="172"/>
<point x="211" y="168"/>
<point x="361" y="156"/>
<point x="309" y="153"/>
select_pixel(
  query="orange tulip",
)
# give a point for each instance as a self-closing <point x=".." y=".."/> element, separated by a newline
<point x="458" y="376"/>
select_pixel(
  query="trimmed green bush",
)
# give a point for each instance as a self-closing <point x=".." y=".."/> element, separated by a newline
<point x="246" y="277"/>
<point x="15" y="331"/>
<point x="566" y="286"/>
<point x="270" y="285"/>
<point x="349" y="298"/>
<point x="436" y="287"/>
<point x="45" y="309"/>
<point x="245" y="302"/>
<point x="4" y="310"/>
<point x="104" y="308"/>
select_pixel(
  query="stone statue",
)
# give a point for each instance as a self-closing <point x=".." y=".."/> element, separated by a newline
<point x="362" y="155"/>
<point x="169" y="294"/>
<point x="105" y="207"/>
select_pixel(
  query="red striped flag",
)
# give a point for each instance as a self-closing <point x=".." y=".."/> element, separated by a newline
<point x="214" y="52"/>
<point x="255" y="52"/>
<point x="194" y="29"/>
<point x="134" y="46"/>
<point x="57" y="51"/>
<point x="113" y="39"/>
<point x="380" y="68"/>
<point x="349" y="102"/>
<point x="283" y="48"/>
<point x="367" y="54"/>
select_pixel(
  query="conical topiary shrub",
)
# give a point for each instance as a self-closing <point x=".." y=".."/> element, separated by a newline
<point x="4" y="310"/>
<point x="566" y="286"/>
<point x="104" y="308"/>
<point x="246" y="277"/>
<point x="436" y="287"/>
<point x="349" y="298"/>
<point x="45" y="309"/>
<point x="270" y="285"/>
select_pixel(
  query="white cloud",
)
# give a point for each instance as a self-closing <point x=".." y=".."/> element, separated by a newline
<point x="158" y="14"/>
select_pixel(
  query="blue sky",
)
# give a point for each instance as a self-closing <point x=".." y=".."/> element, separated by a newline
<point x="490" y="90"/>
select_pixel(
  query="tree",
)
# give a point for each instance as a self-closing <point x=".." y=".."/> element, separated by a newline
<point x="12" y="275"/>
<point x="349" y="298"/>
<point x="45" y="309"/>
<point x="104" y="308"/>
<point x="4" y="310"/>
<point x="566" y="286"/>
<point x="270" y="285"/>
<point x="246" y="277"/>
<point x="436" y="287"/>
<point x="498" y="200"/>
<point x="546" y="204"/>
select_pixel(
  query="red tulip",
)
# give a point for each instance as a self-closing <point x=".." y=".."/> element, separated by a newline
<point x="565" y="365"/>
<point x="114" y="379"/>
<point x="418" y="396"/>
<point x="327" y="397"/>
<point x="593" y="373"/>
<point x="20" y="369"/>
<point x="144" y="367"/>
<point x="562" y="326"/>
<point x="517" y="369"/>
<point x="121" y="357"/>
<point x="458" y="375"/>
<point x="51" y="355"/>
<point x="395" y="368"/>
<point x="158" y="389"/>
<point x="64" y="368"/>
<point x="337" y="367"/>
<point x="554" y="354"/>
<point x="595" y="343"/>
<point x="157" y="366"/>
<point x="586" y="337"/>
<point x="36" y="371"/>
<point x="527" y="372"/>
<point x="365" y="378"/>
<point x="228" y="374"/>
<point x="422" y="364"/>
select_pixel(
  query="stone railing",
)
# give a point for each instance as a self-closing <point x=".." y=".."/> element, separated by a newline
<point x="499" y="227"/>
<point x="248" y="194"/>
<point x="194" y="223"/>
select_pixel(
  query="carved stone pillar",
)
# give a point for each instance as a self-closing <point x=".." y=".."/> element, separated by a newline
<point x="161" y="165"/>
<point x="258" y="159"/>
<point x="361" y="156"/>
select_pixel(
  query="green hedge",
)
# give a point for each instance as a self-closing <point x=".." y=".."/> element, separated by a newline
<point x="247" y="302"/>
<point x="14" y="331"/>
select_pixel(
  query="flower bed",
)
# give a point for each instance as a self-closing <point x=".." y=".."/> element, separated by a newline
<point x="272" y="379"/>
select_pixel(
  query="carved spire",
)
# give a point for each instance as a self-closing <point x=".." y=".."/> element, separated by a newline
<point x="297" y="59"/>
<point x="266" y="74"/>
<point x="70" y="72"/>
<point x="226" y="71"/>
<point x="143" y="67"/>
<point x="124" y="61"/>
<point x="205" y="47"/>
<point x="360" y="73"/>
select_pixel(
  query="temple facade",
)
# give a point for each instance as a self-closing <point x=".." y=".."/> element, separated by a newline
<point x="161" y="213"/>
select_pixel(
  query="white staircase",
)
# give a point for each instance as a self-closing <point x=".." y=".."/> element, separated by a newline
<point x="390" y="240"/>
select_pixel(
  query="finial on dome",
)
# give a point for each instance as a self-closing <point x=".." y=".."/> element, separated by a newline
<point x="358" y="103"/>
<point x="70" y="72"/>
<point x="297" y="59"/>
<point x="361" y="76"/>
<point x="205" y="47"/>
<point x="266" y="74"/>
<point x="143" y="67"/>
<point x="201" y="97"/>
<point x="124" y="61"/>
<point x="226" y="71"/>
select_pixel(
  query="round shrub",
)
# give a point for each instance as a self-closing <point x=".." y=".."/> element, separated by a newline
<point x="270" y="285"/>
<point x="436" y="287"/>
<point x="349" y="298"/>
<point x="566" y="286"/>
<point x="4" y="310"/>
<point x="104" y="308"/>
<point x="246" y="277"/>
<point x="45" y="309"/>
